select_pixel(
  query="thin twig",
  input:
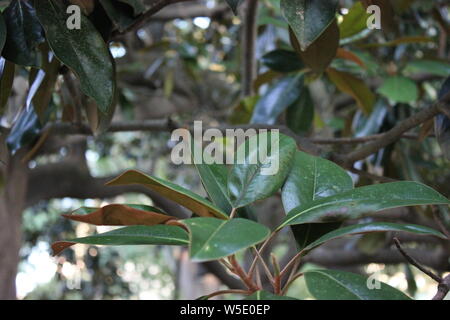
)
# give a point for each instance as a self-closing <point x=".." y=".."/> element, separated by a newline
<point x="155" y="7"/>
<point x="415" y="263"/>
<point x="231" y="291"/>
<point x="242" y="275"/>
<point x="265" y="267"/>
<point x="261" y="249"/>
<point x="233" y="213"/>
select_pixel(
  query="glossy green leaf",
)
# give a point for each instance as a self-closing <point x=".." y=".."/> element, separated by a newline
<point x="281" y="60"/>
<point x="212" y="239"/>
<point x="214" y="179"/>
<point x="300" y="115"/>
<point x="309" y="18"/>
<point x="374" y="227"/>
<point x="121" y="14"/>
<point x="280" y="96"/>
<point x="399" y="89"/>
<point x="25" y="34"/>
<point x="180" y="195"/>
<point x="234" y="4"/>
<point x="332" y="285"/>
<point x="133" y="235"/>
<point x="354" y="21"/>
<point x="312" y="178"/>
<point x="363" y="201"/>
<point x="7" y="70"/>
<point x="258" y="175"/>
<point x="83" y="51"/>
<point x="264" y="295"/>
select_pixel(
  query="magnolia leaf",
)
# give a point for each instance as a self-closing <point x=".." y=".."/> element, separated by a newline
<point x="355" y="87"/>
<point x="133" y="235"/>
<point x="371" y="228"/>
<point x="280" y="96"/>
<point x="363" y="201"/>
<point x="212" y="239"/>
<point x="309" y="18"/>
<point x="267" y="161"/>
<point x="180" y="195"/>
<point x="321" y="53"/>
<point x="399" y="89"/>
<point x="82" y="50"/>
<point x="332" y="285"/>
<point x="25" y="34"/>
<point x="119" y="215"/>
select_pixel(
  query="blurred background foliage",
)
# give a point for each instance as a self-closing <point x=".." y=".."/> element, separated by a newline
<point x="185" y="64"/>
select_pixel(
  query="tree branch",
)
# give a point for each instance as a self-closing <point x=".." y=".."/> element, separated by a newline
<point x="155" y="6"/>
<point x="391" y="135"/>
<point x="249" y="35"/>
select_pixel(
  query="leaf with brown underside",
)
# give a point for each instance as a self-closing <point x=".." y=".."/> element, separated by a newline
<point x="131" y="235"/>
<point x="176" y="193"/>
<point x="119" y="215"/>
<point x="322" y="51"/>
<point x="355" y="87"/>
<point x="60" y="246"/>
<point x="348" y="55"/>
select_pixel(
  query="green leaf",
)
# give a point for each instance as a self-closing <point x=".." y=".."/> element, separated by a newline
<point x="212" y="239"/>
<point x="214" y="180"/>
<point x="268" y="158"/>
<point x="374" y="227"/>
<point x="300" y="115"/>
<point x="362" y="201"/>
<point x="83" y="51"/>
<point x="354" y="21"/>
<point x="309" y="18"/>
<point x="312" y="178"/>
<point x="339" y="285"/>
<point x="234" y="4"/>
<point x="281" y="60"/>
<point x="133" y="235"/>
<point x="280" y="96"/>
<point x="438" y="68"/>
<point x="399" y="89"/>
<point x="7" y="70"/>
<point x="25" y="34"/>
<point x="121" y="14"/>
<point x="180" y="195"/>
<point x="264" y="295"/>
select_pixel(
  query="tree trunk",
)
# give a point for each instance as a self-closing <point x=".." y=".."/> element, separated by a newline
<point x="12" y="201"/>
